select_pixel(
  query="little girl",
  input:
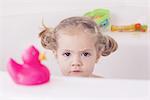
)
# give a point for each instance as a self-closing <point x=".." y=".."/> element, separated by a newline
<point x="77" y="44"/>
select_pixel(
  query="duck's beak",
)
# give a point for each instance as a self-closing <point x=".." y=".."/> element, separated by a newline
<point x="42" y="56"/>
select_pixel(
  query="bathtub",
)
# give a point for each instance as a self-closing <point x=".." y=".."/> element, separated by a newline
<point x="19" y="28"/>
<point x="130" y="61"/>
<point x="72" y="88"/>
<point x="126" y="72"/>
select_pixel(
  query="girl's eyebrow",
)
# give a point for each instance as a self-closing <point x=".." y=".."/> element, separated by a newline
<point x="85" y="50"/>
<point x="67" y="50"/>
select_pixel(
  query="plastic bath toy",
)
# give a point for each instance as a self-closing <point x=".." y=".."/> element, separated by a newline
<point x="31" y="72"/>
<point x="129" y="28"/>
<point x="101" y="17"/>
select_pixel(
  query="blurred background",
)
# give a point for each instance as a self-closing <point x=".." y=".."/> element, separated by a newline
<point x="21" y="21"/>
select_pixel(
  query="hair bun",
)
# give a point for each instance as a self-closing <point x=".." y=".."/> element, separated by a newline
<point x="110" y="46"/>
<point x="48" y="40"/>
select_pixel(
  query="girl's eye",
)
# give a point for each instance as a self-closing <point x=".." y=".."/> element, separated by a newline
<point x="85" y="54"/>
<point x="67" y="54"/>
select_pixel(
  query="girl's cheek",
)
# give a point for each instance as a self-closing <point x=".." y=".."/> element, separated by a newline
<point x="88" y="59"/>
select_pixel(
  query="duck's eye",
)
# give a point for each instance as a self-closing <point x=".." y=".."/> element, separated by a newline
<point x="33" y="53"/>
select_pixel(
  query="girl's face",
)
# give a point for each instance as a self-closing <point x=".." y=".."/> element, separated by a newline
<point x="76" y="53"/>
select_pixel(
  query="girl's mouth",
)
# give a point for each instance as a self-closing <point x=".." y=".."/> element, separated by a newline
<point x="76" y="71"/>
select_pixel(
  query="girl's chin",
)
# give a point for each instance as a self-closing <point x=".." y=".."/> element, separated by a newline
<point x="78" y="74"/>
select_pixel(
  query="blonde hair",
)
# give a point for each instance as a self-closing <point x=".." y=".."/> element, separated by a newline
<point x="105" y="44"/>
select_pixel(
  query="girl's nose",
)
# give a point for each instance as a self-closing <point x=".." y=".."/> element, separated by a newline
<point x="76" y="62"/>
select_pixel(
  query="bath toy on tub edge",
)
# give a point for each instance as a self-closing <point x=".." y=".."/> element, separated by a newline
<point x="101" y="17"/>
<point x="32" y="71"/>
<point x="129" y="28"/>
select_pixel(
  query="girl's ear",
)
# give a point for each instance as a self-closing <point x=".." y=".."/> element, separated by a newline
<point x="98" y="57"/>
<point x="55" y="53"/>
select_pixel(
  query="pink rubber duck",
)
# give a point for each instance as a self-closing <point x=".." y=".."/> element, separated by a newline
<point x="31" y="72"/>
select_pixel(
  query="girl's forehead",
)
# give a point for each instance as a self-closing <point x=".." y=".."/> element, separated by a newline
<point x="76" y="35"/>
<point x="74" y="30"/>
<point x="78" y="42"/>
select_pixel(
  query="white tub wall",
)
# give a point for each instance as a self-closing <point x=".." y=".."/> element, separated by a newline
<point x="33" y="6"/>
<point x="14" y="7"/>
<point x="20" y="22"/>
<point x="131" y="59"/>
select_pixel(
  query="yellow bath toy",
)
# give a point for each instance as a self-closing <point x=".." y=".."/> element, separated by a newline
<point x="129" y="28"/>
